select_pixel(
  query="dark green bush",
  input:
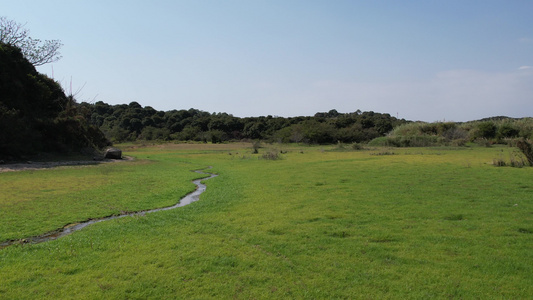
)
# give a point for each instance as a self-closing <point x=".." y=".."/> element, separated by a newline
<point x="356" y="146"/>
<point x="507" y="131"/>
<point x="151" y="133"/>
<point x="486" y="130"/>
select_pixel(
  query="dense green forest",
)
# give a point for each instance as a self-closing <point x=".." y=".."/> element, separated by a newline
<point x="129" y="122"/>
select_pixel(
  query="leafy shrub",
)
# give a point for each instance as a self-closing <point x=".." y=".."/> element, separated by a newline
<point x="499" y="162"/>
<point x="217" y="136"/>
<point x="407" y="129"/>
<point x="356" y="146"/>
<point x="458" y="142"/>
<point x="150" y="133"/>
<point x="486" y="130"/>
<point x="407" y="141"/>
<point x="525" y="128"/>
<point x="340" y="146"/>
<point x="455" y="133"/>
<point x="271" y="155"/>
<point x="483" y="142"/>
<point x="423" y="128"/>
<point x="507" y="130"/>
<point x="517" y="162"/>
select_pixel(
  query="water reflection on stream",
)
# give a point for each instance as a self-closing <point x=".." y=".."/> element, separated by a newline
<point x="188" y="199"/>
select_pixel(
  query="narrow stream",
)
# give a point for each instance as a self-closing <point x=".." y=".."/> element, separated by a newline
<point x="188" y="199"/>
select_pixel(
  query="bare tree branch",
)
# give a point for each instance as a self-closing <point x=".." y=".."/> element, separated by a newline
<point x="34" y="50"/>
<point x="11" y="32"/>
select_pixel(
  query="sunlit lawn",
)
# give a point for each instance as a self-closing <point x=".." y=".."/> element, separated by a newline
<point x="414" y="223"/>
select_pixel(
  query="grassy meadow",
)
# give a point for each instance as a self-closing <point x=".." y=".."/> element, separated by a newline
<point x="318" y="223"/>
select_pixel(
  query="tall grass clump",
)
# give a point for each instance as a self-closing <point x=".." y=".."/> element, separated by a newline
<point x="343" y="147"/>
<point x="256" y="145"/>
<point x="526" y="149"/>
<point x="516" y="160"/>
<point x="423" y="128"/>
<point x="422" y="134"/>
<point x="499" y="129"/>
<point x="485" y="132"/>
<point x="407" y="141"/>
<point x="357" y="146"/>
<point x="523" y="156"/>
<point x="271" y="155"/>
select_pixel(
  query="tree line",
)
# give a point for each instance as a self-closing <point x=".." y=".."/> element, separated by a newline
<point x="37" y="116"/>
<point x="130" y="122"/>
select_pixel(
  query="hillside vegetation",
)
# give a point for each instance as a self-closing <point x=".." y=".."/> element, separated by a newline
<point x="129" y="122"/>
<point x="132" y="122"/>
<point x="496" y="130"/>
<point x="35" y="114"/>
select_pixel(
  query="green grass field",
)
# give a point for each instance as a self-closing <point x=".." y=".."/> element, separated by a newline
<point x="409" y="223"/>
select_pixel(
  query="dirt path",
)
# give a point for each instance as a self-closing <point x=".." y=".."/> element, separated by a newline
<point x="54" y="164"/>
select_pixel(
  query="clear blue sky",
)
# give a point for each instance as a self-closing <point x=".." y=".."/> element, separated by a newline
<point x="418" y="60"/>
